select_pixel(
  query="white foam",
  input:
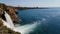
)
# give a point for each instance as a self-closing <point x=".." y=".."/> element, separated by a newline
<point x="25" y="29"/>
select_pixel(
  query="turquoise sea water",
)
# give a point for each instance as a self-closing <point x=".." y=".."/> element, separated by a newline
<point x="49" y="19"/>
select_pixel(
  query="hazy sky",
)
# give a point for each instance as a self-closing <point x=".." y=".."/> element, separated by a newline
<point x="32" y="3"/>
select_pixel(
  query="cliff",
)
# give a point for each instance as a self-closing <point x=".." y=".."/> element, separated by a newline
<point x="12" y="12"/>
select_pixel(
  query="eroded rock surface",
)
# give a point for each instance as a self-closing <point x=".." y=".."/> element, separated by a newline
<point x="10" y="10"/>
<point x="12" y="13"/>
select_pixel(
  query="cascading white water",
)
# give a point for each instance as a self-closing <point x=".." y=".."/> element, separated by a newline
<point x="9" y="20"/>
<point x="25" y="29"/>
<point x="6" y="24"/>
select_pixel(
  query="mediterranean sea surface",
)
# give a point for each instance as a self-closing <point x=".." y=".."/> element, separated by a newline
<point x="49" y="19"/>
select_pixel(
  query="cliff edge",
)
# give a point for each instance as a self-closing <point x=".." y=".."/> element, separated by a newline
<point x="12" y="12"/>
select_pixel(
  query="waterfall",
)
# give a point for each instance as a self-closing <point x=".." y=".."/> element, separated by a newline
<point x="25" y="29"/>
<point x="6" y="24"/>
<point x="9" y="20"/>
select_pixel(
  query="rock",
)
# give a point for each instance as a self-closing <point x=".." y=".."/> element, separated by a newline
<point x="12" y="13"/>
<point x="2" y="6"/>
<point x="1" y="23"/>
<point x="10" y="10"/>
<point x="1" y="12"/>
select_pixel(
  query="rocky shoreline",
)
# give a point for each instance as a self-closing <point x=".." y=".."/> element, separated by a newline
<point x="12" y="12"/>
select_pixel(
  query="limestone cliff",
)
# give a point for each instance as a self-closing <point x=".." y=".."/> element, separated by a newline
<point x="10" y="10"/>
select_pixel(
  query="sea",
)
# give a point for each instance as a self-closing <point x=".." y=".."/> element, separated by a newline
<point x="49" y="19"/>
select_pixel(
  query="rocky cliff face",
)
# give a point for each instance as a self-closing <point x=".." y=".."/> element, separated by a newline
<point x="12" y="12"/>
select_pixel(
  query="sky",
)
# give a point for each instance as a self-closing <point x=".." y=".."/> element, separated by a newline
<point x="32" y="3"/>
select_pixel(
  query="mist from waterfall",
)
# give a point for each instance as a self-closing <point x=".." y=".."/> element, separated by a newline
<point x="24" y="29"/>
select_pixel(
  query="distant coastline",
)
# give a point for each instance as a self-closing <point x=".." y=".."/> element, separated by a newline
<point x="24" y="8"/>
